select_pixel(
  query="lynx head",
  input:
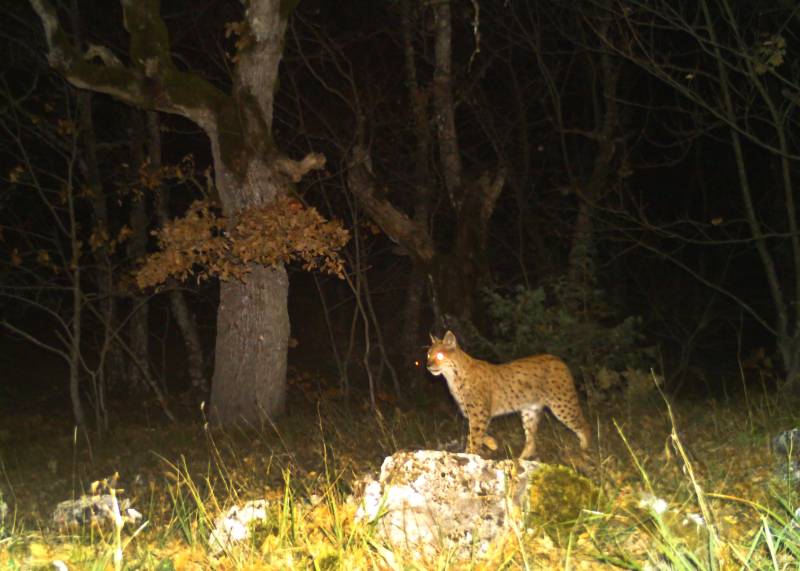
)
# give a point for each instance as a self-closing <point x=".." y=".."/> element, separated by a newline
<point x="440" y="355"/>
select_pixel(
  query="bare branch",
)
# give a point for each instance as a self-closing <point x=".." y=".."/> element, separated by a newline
<point x="296" y="170"/>
<point x="36" y="341"/>
<point x="399" y="227"/>
<point x="152" y="82"/>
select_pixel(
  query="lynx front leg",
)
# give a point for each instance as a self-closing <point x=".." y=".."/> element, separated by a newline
<point x="478" y="421"/>
<point x="530" y="422"/>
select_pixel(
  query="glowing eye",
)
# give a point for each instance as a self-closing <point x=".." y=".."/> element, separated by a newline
<point x="416" y="363"/>
<point x="440" y="356"/>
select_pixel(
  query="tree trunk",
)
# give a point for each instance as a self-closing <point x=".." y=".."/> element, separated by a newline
<point x="789" y="348"/>
<point x="104" y="280"/>
<point x="252" y="347"/>
<point x="423" y="194"/>
<point x="114" y="360"/>
<point x="458" y="275"/>
<point x="252" y="344"/>
<point x="139" y="324"/>
<point x="449" y="149"/>
<point x="77" y="315"/>
<point x="581" y="263"/>
<point x="136" y="247"/>
<point x="187" y="324"/>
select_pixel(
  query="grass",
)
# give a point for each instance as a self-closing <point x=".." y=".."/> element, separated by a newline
<point x="691" y="485"/>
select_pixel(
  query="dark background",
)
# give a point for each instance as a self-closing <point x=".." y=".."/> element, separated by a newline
<point x="672" y="244"/>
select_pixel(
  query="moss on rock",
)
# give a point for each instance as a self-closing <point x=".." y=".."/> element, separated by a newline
<point x="556" y="496"/>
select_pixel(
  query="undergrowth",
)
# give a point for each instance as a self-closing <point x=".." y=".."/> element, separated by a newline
<point x="606" y="351"/>
<point x="692" y="485"/>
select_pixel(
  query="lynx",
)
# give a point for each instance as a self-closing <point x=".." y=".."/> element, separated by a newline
<point x="483" y="391"/>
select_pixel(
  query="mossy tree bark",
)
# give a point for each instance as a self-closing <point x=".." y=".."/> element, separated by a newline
<point x="253" y="322"/>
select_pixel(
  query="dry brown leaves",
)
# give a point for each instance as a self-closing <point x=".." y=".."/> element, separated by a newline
<point x="203" y="243"/>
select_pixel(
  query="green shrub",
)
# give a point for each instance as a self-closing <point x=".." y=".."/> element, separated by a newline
<point x="603" y="350"/>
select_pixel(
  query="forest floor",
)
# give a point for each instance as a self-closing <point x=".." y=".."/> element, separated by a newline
<point x="654" y="511"/>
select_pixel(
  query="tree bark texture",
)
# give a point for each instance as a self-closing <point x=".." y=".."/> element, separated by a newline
<point x="449" y="150"/>
<point x="252" y="344"/>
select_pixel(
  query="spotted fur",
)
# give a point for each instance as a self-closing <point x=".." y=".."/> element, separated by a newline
<point x="483" y="391"/>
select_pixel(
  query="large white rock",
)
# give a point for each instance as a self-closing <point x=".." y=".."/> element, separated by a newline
<point x="431" y="502"/>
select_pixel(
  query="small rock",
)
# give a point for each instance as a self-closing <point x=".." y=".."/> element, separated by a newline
<point x="237" y="524"/>
<point x="786" y="447"/>
<point x="787" y="444"/>
<point x="653" y="503"/>
<point x="432" y="501"/>
<point x="695" y="518"/>
<point x="95" y="509"/>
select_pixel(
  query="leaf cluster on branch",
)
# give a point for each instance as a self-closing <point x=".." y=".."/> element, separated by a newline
<point x="206" y="244"/>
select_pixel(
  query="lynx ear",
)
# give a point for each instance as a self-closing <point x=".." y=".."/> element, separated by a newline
<point x="450" y="340"/>
<point x="434" y="339"/>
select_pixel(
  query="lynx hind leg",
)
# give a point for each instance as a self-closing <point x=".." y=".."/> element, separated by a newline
<point x="583" y="433"/>
<point x="573" y="418"/>
<point x="530" y="422"/>
<point x="478" y="420"/>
